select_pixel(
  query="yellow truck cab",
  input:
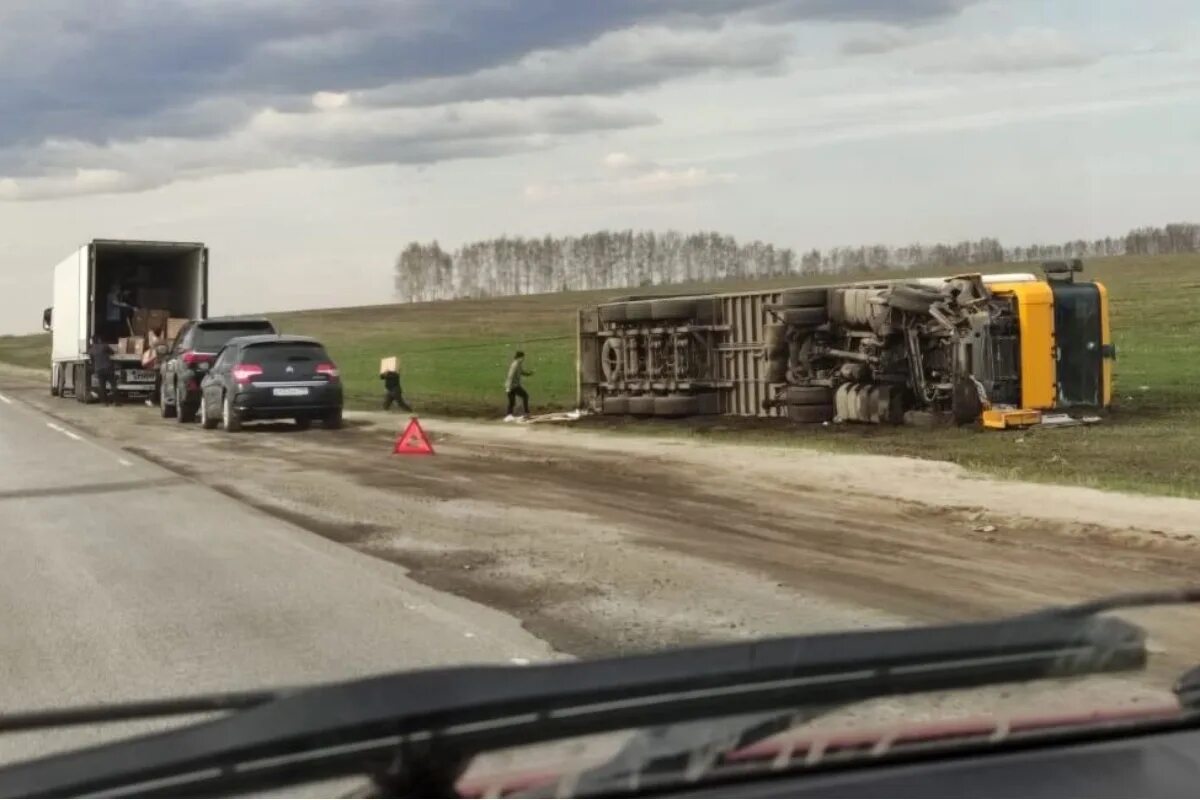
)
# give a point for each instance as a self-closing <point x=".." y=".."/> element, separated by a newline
<point x="1066" y="349"/>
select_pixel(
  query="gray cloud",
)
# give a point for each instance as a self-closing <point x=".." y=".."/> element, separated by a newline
<point x="115" y="73"/>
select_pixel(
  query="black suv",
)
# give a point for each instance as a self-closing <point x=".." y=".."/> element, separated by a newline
<point x="271" y="377"/>
<point x="198" y="342"/>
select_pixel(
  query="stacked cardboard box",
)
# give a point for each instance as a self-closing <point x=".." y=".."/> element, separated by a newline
<point x="145" y="320"/>
<point x="131" y="345"/>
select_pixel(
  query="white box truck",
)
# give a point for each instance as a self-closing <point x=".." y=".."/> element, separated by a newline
<point x="175" y="274"/>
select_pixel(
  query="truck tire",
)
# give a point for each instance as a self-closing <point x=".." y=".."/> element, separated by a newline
<point x="60" y="381"/>
<point x="83" y="384"/>
<point x="615" y="313"/>
<point x="165" y="410"/>
<point x="809" y="396"/>
<point x="54" y="374"/>
<point x="806" y="315"/>
<point x="642" y="405"/>
<point x="183" y="412"/>
<point x="639" y="311"/>
<point x="672" y="309"/>
<point x="804" y="298"/>
<point x="775" y="340"/>
<point x="332" y="420"/>
<point x="231" y="421"/>
<point x="206" y="422"/>
<point x="776" y="371"/>
<point x="615" y="405"/>
<point x="914" y="299"/>
<point x="676" y="405"/>
<point x="810" y="413"/>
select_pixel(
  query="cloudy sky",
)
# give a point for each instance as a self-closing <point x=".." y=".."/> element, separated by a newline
<point x="306" y="142"/>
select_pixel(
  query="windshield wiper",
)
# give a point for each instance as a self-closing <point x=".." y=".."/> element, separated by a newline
<point x="416" y="731"/>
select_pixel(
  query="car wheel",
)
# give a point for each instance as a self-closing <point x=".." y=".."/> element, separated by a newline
<point x="183" y="412"/>
<point x="165" y="409"/>
<point x="206" y="422"/>
<point x="332" y="419"/>
<point x="303" y="423"/>
<point x="231" y="421"/>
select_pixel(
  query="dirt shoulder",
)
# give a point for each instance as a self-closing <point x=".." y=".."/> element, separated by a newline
<point x="603" y="543"/>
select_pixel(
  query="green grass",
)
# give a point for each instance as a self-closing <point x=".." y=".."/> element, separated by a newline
<point x="454" y="355"/>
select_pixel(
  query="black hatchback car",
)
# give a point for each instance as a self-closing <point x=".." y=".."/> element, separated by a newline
<point x="197" y="344"/>
<point x="271" y="377"/>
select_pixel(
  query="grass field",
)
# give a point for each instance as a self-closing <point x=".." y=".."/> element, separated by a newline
<point x="454" y="355"/>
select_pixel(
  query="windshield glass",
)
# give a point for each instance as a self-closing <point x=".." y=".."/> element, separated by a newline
<point x="211" y="338"/>
<point x="342" y="340"/>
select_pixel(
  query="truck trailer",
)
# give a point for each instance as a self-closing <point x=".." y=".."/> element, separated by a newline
<point x="169" y="277"/>
<point x="971" y="347"/>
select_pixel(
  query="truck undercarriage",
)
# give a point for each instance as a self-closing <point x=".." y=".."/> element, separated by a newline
<point x="865" y="352"/>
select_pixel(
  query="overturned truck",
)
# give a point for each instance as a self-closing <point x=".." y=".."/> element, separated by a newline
<point x="962" y="348"/>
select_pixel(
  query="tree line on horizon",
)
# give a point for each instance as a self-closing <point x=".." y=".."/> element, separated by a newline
<point x="626" y="259"/>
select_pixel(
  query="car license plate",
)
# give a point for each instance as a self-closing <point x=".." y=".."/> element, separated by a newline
<point x="290" y="391"/>
<point x="139" y="376"/>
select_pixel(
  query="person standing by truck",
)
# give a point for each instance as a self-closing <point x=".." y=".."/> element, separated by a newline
<point x="392" y="392"/>
<point x="102" y="367"/>
<point x="512" y="385"/>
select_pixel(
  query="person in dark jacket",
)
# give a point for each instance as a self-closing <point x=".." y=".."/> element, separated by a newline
<point x="102" y="367"/>
<point x="512" y="385"/>
<point x="392" y="392"/>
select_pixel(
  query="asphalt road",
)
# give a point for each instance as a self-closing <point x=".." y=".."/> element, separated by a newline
<point x="121" y="580"/>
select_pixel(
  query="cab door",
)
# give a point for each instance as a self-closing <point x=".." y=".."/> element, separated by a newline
<point x="1079" y="340"/>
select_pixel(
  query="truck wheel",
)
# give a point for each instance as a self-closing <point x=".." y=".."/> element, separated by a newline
<point x="642" y="405"/>
<point x="615" y="405"/>
<point x="672" y="309"/>
<point x="913" y="299"/>
<point x="183" y="412"/>
<point x="206" y="422"/>
<point x="166" y="410"/>
<point x="60" y="381"/>
<point x="332" y="420"/>
<point x="612" y="313"/>
<point x="810" y="413"/>
<point x="804" y="298"/>
<point x="639" y="311"/>
<point x="675" y="405"/>
<point x="83" y="384"/>
<point x="231" y="421"/>
<point x="809" y="396"/>
<point x="809" y="316"/>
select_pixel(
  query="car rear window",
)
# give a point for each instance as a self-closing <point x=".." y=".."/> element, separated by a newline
<point x="212" y="337"/>
<point x="283" y="353"/>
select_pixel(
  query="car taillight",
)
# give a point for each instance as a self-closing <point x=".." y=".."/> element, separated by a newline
<point x="329" y="370"/>
<point x="191" y="357"/>
<point x="242" y="373"/>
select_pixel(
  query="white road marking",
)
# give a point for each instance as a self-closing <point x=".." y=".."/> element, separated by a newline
<point x="520" y="662"/>
<point x="124" y="463"/>
<point x="5" y="399"/>
<point x="64" y="431"/>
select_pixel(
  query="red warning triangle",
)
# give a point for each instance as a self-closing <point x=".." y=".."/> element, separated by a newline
<point x="413" y="442"/>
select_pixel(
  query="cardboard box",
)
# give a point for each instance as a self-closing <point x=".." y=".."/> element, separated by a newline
<point x="174" y="324"/>
<point x="389" y="364"/>
<point x="145" y="320"/>
<point x="131" y="345"/>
